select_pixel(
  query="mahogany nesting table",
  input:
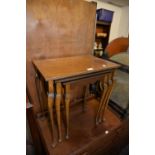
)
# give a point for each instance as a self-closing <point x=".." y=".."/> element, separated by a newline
<point x="60" y="73"/>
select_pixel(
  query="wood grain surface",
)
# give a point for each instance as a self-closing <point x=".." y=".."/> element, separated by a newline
<point x="52" y="69"/>
<point x="85" y="136"/>
<point x="57" y="28"/>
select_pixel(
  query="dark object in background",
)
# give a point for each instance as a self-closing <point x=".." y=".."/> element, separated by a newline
<point x="104" y="15"/>
<point x="95" y="89"/>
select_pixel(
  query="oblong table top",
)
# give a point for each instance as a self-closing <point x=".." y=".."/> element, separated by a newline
<point x="52" y="69"/>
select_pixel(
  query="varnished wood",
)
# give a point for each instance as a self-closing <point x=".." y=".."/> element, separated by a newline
<point x="86" y="91"/>
<point x="72" y="69"/>
<point x="108" y="84"/>
<point x="57" y="28"/>
<point x="50" y="109"/>
<point x="72" y="66"/>
<point x="51" y="36"/>
<point x="107" y="100"/>
<point x="38" y="87"/>
<point x="104" y="91"/>
<point x="104" y="99"/>
<point x="67" y="103"/>
<point x="86" y="137"/>
<point x="111" y="85"/>
<point x="63" y="26"/>
<point x="58" y="99"/>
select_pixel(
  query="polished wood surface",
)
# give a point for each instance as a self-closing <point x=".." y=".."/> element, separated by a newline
<point x="58" y="100"/>
<point x="57" y="28"/>
<point x="67" y="104"/>
<point x="110" y="84"/>
<point x="52" y="69"/>
<point x="85" y="136"/>
<point x="71" y="68"/>
<point x="62" y="28"/>
<point x="50" y="108"/>
<point x="104" y="81"/>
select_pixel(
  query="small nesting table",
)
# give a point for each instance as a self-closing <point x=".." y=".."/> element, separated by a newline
<point x="56" y="75"/>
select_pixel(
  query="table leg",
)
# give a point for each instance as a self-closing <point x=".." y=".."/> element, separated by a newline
<point x="111" y="85"/>
<point x="67" y="103"/>
<point x="105" y="97"/>
<point x="50" y="109"/>
<point x="57" y="103"/>
<point x="102" y="101"/>
<point x="86" y="91"/>
<point x="38" y="83"/>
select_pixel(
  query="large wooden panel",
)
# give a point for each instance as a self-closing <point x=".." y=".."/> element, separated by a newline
<point x="57" y="28"/>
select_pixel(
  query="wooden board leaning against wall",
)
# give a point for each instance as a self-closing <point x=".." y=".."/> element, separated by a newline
<point x="57" y="29"/>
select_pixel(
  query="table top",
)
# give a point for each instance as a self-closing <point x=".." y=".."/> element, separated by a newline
<point x="57" y="68"/>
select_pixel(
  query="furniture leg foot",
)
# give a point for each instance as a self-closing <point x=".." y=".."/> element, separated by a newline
<point x="53" y="145"/>
<point x="100" y="121"/>
<point x="58" y="101"/>
<point x="97" y="122"/>
<point x="67" y="136"/>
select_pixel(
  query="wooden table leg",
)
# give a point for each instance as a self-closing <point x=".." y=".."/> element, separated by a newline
<point x="67" y="103"/>
<point x="57" y="103"/>
<point x="38" y="83"/>
<point x="105" y="97"/>
<point x="111" y="85"/>
<point x="102" y="101"/>
<point x="86" y="91"/>
<point x="50" y="109"/>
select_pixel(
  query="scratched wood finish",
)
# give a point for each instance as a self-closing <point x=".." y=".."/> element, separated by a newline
<point x="71" y="66"/>
<point x="57" y="28"/>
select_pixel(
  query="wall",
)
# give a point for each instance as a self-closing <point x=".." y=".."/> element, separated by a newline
<point x="124" y="22"/>
<point x="120" y="21"/>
